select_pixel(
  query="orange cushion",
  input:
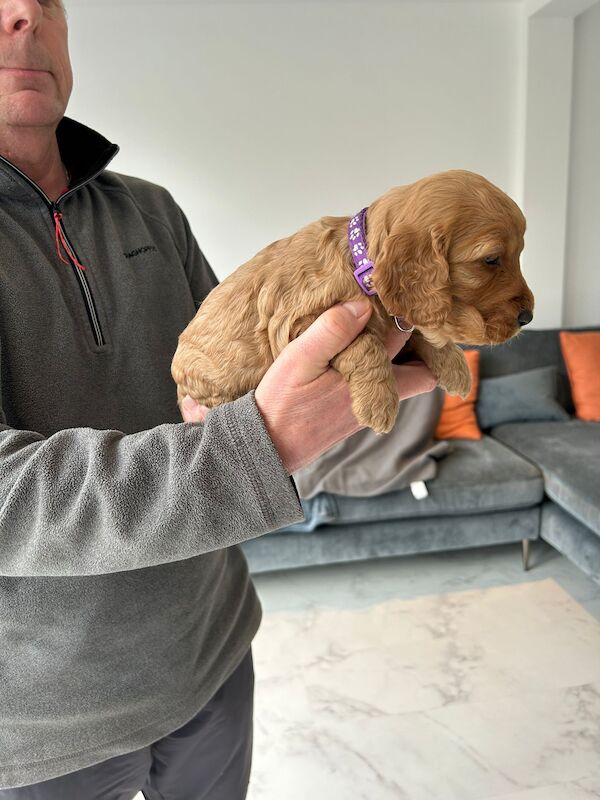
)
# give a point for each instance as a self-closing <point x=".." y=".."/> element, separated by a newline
<point x="581" y="352"/>
<point x="458" y="419"/>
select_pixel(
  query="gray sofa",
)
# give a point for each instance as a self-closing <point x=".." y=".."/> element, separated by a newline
<point x="521" y="481"/>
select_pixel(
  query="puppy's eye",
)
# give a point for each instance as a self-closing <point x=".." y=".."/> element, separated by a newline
<point x="492" y="262"/>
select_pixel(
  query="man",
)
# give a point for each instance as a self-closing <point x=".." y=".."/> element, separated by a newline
<point x="126" y="610"/>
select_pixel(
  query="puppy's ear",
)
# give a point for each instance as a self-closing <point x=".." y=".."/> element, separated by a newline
<point x="411" y="276"/>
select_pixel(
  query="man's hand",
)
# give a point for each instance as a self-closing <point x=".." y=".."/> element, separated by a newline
<point x="304" y="402"/>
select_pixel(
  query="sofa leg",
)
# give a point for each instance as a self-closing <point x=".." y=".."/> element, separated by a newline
<point x="525" y="543"/>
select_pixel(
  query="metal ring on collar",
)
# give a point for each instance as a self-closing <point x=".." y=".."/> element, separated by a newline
<point x="400" y="328"/>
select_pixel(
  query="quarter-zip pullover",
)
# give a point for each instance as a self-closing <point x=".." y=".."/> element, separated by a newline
<point x="124" y="599"/>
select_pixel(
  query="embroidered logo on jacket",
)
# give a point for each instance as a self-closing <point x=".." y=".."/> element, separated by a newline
<point x="149" y="248"/>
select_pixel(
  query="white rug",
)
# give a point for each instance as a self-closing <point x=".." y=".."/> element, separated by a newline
<point x="471" y="695"/>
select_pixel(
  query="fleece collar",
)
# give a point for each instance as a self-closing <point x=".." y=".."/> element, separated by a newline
<point x="84" y="152"/>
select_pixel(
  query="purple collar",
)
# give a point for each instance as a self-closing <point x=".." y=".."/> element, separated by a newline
<point x="357" y="239"/>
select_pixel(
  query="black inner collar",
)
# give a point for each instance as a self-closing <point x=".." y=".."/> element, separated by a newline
<point x="83" y="151"/>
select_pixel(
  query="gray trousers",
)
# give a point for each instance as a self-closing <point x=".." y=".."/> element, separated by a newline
<point x="209" y="758"/>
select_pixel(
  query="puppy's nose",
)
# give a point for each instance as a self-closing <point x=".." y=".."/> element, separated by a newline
<point x="524" y="318"/>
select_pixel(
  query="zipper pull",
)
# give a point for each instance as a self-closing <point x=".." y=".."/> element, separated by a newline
<point x="62" y="242"/>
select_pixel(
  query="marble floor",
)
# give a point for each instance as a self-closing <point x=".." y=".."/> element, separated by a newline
<point x="451" y="676"/>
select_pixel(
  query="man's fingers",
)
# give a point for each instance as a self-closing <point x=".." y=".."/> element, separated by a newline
<point x="396" y="341"/>
<point x="191" y="411"/>
<point x="329" y="334"/>
<point x="413" y="379"/>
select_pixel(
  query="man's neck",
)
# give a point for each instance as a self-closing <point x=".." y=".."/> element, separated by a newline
<point x="35" y="152"/>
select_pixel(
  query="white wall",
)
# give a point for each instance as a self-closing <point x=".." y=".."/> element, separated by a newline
<point x="582" y="274"/>
<point x="545" y="175"/>
<point x="262" y="117"/>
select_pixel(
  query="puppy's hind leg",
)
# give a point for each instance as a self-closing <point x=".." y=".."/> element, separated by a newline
<point x="366" y="367"/>
<point x="196" y="376"/>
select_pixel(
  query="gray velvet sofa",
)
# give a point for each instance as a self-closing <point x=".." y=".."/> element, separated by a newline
<point x="521" y="481"/>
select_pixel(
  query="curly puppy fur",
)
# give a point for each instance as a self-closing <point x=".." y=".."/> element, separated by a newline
<point x="446" y="252"/>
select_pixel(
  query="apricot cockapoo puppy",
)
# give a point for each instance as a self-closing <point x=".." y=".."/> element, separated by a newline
<point x="441" y="254"/>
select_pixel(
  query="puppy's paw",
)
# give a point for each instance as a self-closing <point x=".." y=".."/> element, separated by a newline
<point x="456" y="379"/>
<point x="378" y="409"/>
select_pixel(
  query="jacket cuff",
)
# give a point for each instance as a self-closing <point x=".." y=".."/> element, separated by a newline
<point x="275" y="489"/>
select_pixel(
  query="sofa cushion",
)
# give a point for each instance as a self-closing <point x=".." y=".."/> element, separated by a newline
<point x="568" y="453"/>
<point x="529" y="350"/>
<point x="474" y="478"/>
<point x="520" y="397"/>
<point x="581" y="352"/>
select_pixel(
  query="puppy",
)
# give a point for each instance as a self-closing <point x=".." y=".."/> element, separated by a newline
<point x="441" y="255"/>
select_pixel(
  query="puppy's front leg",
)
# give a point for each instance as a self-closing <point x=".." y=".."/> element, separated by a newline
<point x="366" y="367"/>
<point x="447" y="363"/>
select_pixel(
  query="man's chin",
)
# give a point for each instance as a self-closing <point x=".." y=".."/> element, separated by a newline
<point x="29" y="109"/>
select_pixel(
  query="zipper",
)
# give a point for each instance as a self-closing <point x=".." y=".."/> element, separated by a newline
<point x="83" y="282"/>
<point x="84" y="286"/>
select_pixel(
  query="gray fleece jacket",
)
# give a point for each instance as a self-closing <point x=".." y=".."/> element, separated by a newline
<point x="124" y="600"/>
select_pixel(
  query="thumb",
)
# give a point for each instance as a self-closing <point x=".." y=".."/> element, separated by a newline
<point x="191" y="411"/>
<point x="329" y="334"/>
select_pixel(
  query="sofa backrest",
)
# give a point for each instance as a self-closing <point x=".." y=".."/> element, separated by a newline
<point x="529" y="350"/>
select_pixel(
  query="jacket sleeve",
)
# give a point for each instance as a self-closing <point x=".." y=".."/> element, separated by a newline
<point x="86" y="501"/>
